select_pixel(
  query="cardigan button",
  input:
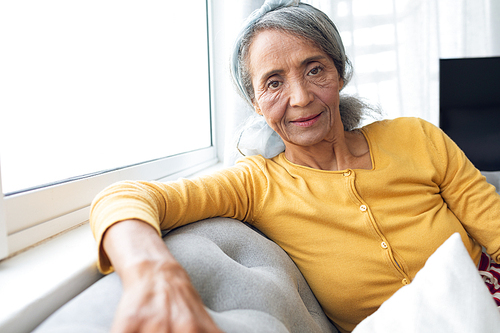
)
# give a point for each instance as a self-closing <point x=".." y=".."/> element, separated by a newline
<point x="363" y="208"/>
<point x="404" y="282"/>
<point x="347" y="173"/>
<point x="384" y="245"/>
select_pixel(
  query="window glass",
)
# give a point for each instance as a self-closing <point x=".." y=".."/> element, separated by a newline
<point x="88" y="86"/>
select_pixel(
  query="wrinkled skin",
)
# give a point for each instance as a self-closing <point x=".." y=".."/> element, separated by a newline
<point x="157" y="293"/>
<point x="296" y="87"/>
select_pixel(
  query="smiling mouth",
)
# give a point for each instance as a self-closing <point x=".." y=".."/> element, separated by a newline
<point x="307" y="121"/>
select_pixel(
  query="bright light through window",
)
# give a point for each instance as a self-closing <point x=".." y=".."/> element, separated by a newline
<point x="342" y="9"/>
<point x="379" y="35"/>
<point x="87" y="86"/>
<point x="372" y="8"/>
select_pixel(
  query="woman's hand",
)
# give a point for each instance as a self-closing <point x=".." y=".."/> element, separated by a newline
<point x="157" y="293"/>
<point x="162" y="300"/>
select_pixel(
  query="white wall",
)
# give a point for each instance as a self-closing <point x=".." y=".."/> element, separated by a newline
<point x="495" y="20"/>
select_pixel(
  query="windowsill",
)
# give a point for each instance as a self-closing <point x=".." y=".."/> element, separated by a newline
<point x="35" y="283"/>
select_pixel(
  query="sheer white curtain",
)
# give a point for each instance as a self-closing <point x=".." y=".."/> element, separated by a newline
<point x="227" y="19"/>
<point x="395" y="47"/>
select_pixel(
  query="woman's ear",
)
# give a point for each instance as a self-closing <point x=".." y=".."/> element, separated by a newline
<point x="341" y="84"/>
<point x="257" y="109"/>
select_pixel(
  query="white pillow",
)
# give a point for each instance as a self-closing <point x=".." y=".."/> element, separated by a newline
<point x="447" y="295"/>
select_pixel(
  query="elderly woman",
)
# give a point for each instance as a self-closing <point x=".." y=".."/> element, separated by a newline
<point x="358" y="210"/>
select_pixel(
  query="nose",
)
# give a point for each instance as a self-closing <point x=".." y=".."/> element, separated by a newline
<point x="300" y="94"/>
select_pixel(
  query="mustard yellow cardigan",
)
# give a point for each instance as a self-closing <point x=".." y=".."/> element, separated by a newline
<point x="356" y="235"/>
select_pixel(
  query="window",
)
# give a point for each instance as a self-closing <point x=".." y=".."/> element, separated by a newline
<point x="94" y="92"/>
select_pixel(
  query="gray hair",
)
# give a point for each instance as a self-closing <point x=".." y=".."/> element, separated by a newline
<point x="314" y="26"/>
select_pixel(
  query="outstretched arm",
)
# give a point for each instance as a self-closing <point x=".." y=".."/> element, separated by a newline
<point x="157" y="293"/>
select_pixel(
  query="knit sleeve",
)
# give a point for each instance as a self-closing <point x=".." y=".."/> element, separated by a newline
<point x="233" y="193"/>
<point x="466" y="192"/>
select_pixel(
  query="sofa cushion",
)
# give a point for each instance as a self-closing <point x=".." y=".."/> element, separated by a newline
<point x="247" y="282"/>
<point x="493" y="177"/>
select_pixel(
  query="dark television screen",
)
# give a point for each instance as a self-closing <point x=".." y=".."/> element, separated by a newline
<point x="470" y="108"/>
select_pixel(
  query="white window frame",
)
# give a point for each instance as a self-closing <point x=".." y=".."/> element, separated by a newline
<point x="3" y="227"/>
<point x="30" y="217"/>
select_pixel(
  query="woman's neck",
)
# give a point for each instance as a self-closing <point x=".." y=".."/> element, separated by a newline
<point x="347" y="151"/>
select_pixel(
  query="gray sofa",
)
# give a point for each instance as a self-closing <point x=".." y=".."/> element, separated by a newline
<point x="247" y="282"/>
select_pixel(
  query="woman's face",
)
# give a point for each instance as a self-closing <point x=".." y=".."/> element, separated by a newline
<point x="296" y="87"/>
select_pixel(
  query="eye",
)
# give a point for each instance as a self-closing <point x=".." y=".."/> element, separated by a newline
<point x="274" y="84"/>
<point x="315" y="71"/>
